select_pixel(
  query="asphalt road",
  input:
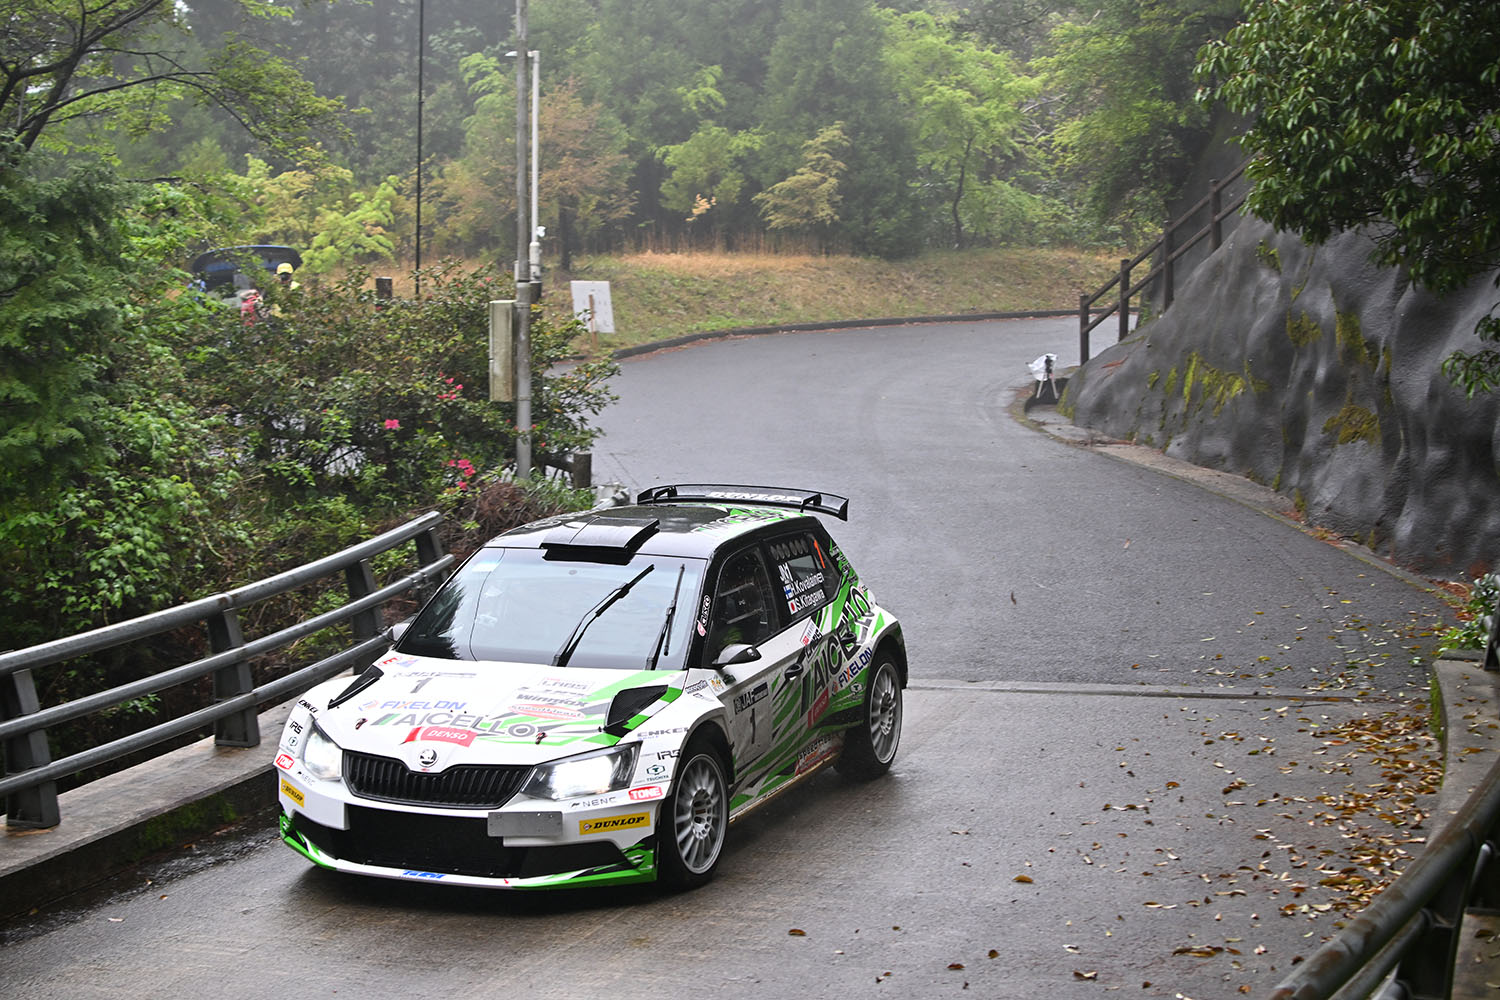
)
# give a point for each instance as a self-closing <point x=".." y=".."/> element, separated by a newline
<point x="1146" y="724"/>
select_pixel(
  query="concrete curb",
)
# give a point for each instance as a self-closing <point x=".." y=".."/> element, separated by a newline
<point x="844" y="324"/>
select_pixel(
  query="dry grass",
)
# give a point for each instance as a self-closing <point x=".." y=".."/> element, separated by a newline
<point x="659" y="296"/>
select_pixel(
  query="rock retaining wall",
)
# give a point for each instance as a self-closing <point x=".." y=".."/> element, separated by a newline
<point x="1318" y="374"/>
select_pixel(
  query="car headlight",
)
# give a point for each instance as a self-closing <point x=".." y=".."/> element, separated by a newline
<point x="322" y="756"/>
<point x="587" y="774"/>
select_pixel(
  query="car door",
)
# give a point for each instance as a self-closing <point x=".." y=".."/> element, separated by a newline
<point x="772" y="592"/>
<point x="743" y="613"/>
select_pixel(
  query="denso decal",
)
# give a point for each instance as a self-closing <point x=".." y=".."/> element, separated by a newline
<point x="646" y="793"/>
<point x="292" y="792"/>
<point x="441" y="734"/>
<point x="415" y="874"/>
<point x="285" y="761"/>
<point x="607" y="824"/>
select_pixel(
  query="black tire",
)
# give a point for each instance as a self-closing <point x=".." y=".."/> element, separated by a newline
<point x="694" y="819"/>
<point x="870" y="746"/>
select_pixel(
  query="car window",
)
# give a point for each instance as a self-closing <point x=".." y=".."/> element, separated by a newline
<point x="741" y="610"/>
<point x="514" y="604"/>
<point x="805" y="576"/>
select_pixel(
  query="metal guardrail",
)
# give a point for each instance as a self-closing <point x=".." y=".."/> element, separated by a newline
<point x="1404" y="945"/>
<point x="1169" y="249"/>
<point x="29" y="783"/>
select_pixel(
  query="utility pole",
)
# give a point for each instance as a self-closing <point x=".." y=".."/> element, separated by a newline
<point x="421" y="58"/>
<point x="523" y="269"/>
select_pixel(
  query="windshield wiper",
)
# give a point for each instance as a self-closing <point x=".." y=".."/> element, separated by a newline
<point x="591" y="616"/>
<point x="663" y="638"/>
<point x="371" y="674"/>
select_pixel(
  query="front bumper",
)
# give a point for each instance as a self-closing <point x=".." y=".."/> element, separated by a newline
<point x="605" y="842"/>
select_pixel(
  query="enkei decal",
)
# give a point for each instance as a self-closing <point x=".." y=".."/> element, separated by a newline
<point x="662" y="732"/>
<point x="292" y="792"/>
<point x="441" y="734"/>
<point x="608" y="823"/>
<point x="285" y="761"/>
<point x="647" y="793"/>
<point x="304" y="703"/>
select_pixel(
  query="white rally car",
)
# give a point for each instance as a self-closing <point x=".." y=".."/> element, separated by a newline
<point x="593" y="698"/>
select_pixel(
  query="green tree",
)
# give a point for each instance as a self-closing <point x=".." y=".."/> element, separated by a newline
<point x="809" y="199"/>
<point x="1384" y="115"/>
<point x="1126" y="126"/>
<point x="61" y="322"/>
<point x="121" y="60"/>
<point x="829" y="64"/>
<point x="965" y="100"/>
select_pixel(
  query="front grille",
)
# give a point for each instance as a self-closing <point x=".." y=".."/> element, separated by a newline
<point x="447" y="844"/>
<point x="467" y="786"/>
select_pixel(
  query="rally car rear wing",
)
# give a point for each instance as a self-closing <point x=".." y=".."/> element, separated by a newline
<point x="763" y="496"/>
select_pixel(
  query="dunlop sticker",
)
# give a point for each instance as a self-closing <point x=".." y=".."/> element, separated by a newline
<point x="607" y="824"/>
<point x="293" y="792"/>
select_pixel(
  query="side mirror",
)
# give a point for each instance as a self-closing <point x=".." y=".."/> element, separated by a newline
<point x="399" y="629"/>
<point x="736" y="652"/>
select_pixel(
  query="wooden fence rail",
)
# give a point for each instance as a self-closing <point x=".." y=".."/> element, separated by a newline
<point x="1168" y="249"/>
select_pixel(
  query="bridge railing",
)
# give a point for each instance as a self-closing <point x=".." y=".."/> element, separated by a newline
<point x="1168" y="249"/>
<point x="29" y="780"/>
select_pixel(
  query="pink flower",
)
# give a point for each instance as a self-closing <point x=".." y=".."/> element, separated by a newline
<point x="393" y="425"/>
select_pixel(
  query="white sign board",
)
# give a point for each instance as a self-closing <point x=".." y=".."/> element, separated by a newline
<point x="592" y="306"/>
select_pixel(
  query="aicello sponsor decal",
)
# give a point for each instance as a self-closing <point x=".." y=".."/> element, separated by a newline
<point x="285" y="761"/>
<point x="292" y="792"/>
<point x="646" y="793"/>
<point x="441" y="734"/>
<point x="609" y="824"/>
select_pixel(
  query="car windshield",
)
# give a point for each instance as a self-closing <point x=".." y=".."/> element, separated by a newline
<point x="514" y="604"/>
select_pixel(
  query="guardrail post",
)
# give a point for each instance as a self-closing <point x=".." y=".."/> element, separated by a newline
<point x="582" y="467"/>
<point x="35" y="807"/>
<point x="1426" y="969"/>
<point x="1166" y="265"/>
<point x="1083" y="327"/>
<point x="1124" y="297"/>
<point x="241" y="729"/>
<point x="1492" y="650"/>
<point x="361" y="580"/>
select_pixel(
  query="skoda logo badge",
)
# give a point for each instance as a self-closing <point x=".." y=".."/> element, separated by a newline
<point x="427" y="758"/>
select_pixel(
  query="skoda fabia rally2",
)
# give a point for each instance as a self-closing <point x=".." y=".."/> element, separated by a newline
<point x="593" y="698"/>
